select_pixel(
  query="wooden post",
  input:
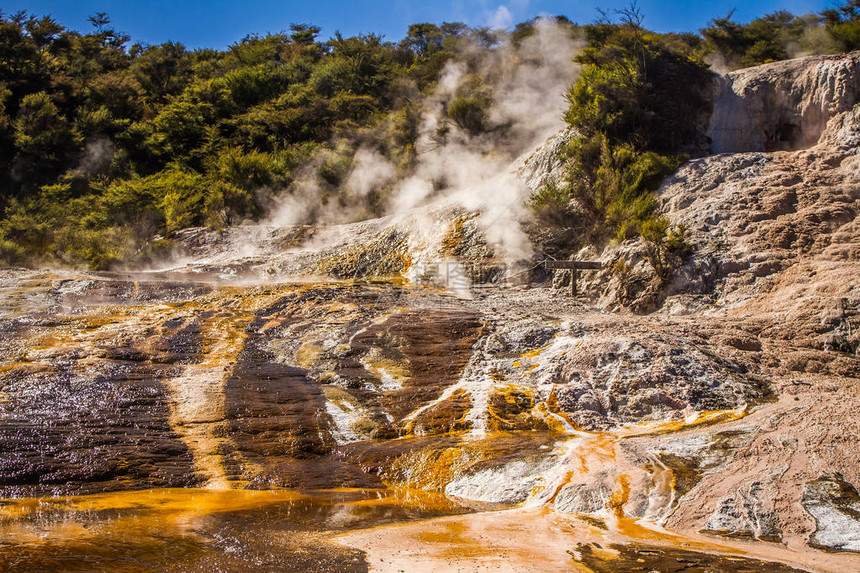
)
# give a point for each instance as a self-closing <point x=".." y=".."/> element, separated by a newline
<point x="573" y="267"/>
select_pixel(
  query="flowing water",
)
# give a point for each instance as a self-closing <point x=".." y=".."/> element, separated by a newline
<point x="201" y="530"/>
<point x="163" y="423"/>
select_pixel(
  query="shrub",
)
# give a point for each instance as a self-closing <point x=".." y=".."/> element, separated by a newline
<point x="614" y="185"/>
<point x="11" y="254"/>
<point x="177" y="195"/>
<point x="553" y="204"/>
<point x="666" y="247"/>
<point x="469" y="113"/>
<point x="226" y="204"/>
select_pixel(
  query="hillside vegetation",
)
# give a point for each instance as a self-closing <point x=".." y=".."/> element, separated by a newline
<point x="108" y="147"/>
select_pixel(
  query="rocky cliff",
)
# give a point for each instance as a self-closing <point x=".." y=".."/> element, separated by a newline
<point x="783" y="105"/>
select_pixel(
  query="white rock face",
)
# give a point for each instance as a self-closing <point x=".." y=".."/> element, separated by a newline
<point x="834" y="504"/>
<point x="583" y="498"/>
<point x="542" y="165"/>
<point x="783" y="105"/>
<point x="511" y="483"/>
<point x="745" y="514"/>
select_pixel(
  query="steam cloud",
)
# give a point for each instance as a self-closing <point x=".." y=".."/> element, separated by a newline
<point x="97" y="155"/>
<point x="473" y="172"/>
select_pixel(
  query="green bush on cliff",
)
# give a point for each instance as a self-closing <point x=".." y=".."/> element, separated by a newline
<point x="553" y="203"/>
<point x="612" y="185"/>
<point x="636" y="106"/>
<point x="665" y="246"/>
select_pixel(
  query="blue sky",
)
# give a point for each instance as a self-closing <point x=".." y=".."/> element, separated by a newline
<point x="217" y="23"/>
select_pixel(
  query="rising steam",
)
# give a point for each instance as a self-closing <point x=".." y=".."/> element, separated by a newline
<point x="461" y="169"/>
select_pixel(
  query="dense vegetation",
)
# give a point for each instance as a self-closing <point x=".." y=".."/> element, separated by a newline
<point x="108" y="147"/>
<point x="640" y="104"/>
<point x="782" y="35"/>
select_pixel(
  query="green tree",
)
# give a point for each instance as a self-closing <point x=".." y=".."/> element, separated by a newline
<point x="424" y="39"/>
<point x="40" y="130"/>
<point x="843" y="23"/>
<point x="162" y="70"/>
<point x="634" y="87"/>
<point x="304" y="34"/>
<point x="637" y="106"/>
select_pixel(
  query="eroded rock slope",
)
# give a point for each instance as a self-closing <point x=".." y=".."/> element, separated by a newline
<point x="366" y="356"/>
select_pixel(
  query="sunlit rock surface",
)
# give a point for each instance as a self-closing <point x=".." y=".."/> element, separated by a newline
<point x="835" y="506"/>
<point x="782" y="105"/>
<point x="401" y="368"/>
